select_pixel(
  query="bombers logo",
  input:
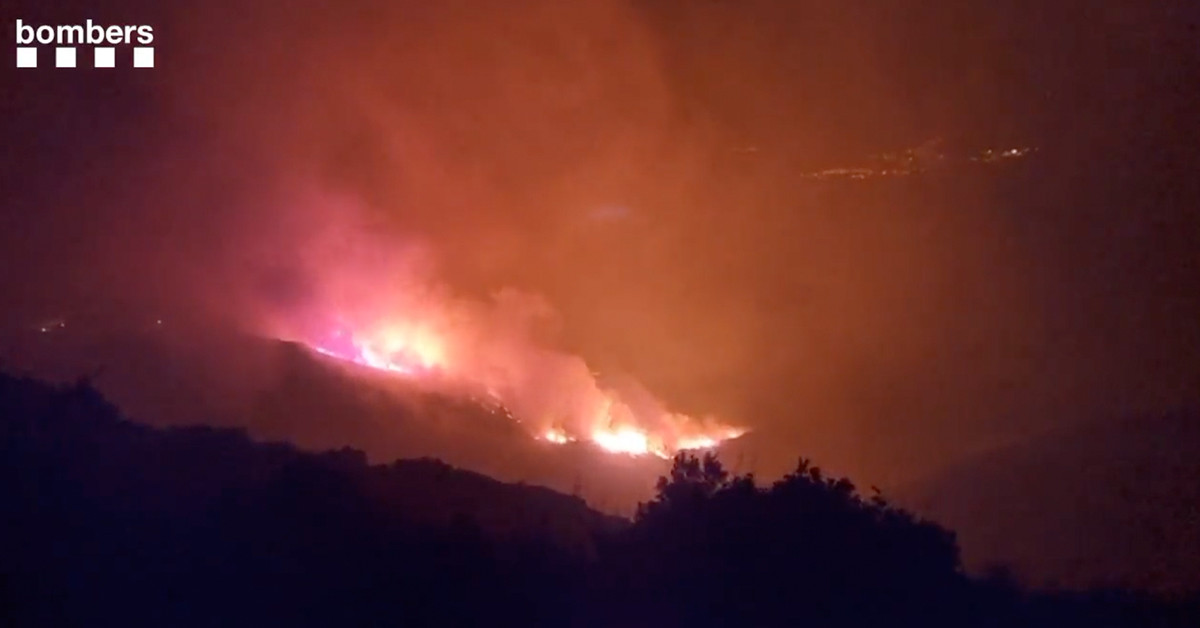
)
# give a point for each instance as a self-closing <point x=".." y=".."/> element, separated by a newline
<point x="102" y="40"/>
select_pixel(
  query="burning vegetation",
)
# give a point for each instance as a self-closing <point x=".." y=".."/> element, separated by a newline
<point x="554" y="394"/>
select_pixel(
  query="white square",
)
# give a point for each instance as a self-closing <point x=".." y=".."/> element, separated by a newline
<point x="143" y="57"/>
<point x="64" y="57"/>
<point x="105" y="58"/>
<point x="26" y="57"/>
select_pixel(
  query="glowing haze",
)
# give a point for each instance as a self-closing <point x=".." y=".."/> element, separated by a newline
<point x="648" y="167"/>
<point x="374" y="301"/>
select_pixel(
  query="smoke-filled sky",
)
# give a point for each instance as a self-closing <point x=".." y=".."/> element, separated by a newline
<point x="637" y="165"/>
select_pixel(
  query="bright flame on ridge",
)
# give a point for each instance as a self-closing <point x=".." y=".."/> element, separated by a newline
<point x="422" y="354"/>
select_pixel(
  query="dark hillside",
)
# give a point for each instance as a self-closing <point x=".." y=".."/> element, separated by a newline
<point x="108" y="522"/>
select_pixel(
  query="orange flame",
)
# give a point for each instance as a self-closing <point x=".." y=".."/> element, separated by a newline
<point x="518" y="377"/>
<point x="392" y="315"/>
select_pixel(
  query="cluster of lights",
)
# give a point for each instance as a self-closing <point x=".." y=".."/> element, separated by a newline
<point x="912" y="161"/>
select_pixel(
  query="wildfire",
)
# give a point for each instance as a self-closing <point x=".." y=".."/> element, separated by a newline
<point x="556" y="436"/>
<point x="536" y="385"/>
<point x="624" y="440"/>
<point x="374" y="299"/>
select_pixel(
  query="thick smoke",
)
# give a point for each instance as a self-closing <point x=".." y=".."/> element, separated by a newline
<point x="377" y="299"/>
<point x="435" y="157"/>
<point x="637" y="164"/>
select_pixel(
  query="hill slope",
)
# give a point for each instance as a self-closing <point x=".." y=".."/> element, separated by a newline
<point x="89" y="451"/>
<point x="282" y="391"/>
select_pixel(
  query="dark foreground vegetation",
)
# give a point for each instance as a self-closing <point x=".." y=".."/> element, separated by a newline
<point x="109" y="523"/>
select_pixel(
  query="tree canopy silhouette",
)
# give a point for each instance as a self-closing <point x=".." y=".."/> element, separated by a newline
<point x="805" y="548"/>
<point x="106" y="522"/>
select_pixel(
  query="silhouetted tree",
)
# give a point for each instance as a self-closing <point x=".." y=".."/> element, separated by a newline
<point x="106" y="522"/>
<point x="714" y="548"/>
